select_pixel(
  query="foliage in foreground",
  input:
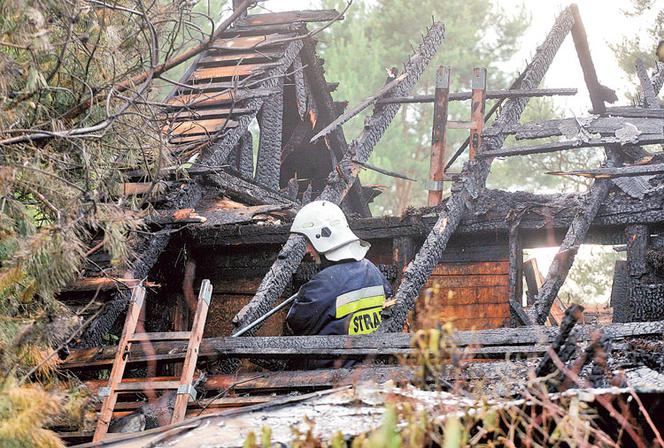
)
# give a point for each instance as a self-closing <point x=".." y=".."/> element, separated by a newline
<point x="69" y="128"/>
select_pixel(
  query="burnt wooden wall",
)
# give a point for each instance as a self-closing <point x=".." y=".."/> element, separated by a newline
<point x="469" y="288"/>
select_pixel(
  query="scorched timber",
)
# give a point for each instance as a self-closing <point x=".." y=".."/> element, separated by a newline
<point x="492" y="215"/>
<point x="623" y="171"/>
<point x="574" y="144"/>
<point x="341" y="180"/>
<point x="473" y="178"/>
<point x="484" y="343"/>
<point x="490" y="95"/>
<point x="572" y="127"/>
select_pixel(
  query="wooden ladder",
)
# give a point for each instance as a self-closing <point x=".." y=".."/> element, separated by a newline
<point x="185" y="389"/>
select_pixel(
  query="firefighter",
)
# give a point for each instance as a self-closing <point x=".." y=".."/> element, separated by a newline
<point x="346" y="297"/>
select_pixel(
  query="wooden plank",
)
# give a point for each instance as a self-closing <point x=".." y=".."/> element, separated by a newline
<point x="161" y="336"/>
<point x="343" y="118"/>
<point x="198" y="127"/>
<point x="191" y="357"/>
<point x="217" y="60"/>
<point x="119" y="363"/>
<point x="230" y="71"/>
<point x="469" y="295"/>
<point x="216" y="96"/>
<point x="438" y="136"/>
<point x="490" y="95"/>
<point x="245" y="43"/>
<point x="105" y="284"/>
<point x="534" y="279"/>
<point x="470" y="281"/>
<point x="481" y="268"/>
<point x="289" y="17"/>
<point x="634" y="112"/>
<point x="146" y="385"/>
<point x="187" y="114"/>
<point x="472" y="311"/>
<point x="614" y="172"/>
<point x="485" y="323"/>
<point x="641" y="140"/>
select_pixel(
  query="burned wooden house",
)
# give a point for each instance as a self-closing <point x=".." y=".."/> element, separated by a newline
<point x="219" y="255"/>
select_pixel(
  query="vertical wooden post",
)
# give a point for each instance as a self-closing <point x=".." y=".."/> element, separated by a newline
<point x="477" y="110"/>
<point x="438" y="140"/>
<point x="515" y="280"/>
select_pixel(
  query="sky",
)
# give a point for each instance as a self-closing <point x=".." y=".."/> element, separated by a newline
<point x="605" y="24"/>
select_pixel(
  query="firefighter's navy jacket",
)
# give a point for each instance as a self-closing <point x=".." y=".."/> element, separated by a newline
<point x="345" y="298"/>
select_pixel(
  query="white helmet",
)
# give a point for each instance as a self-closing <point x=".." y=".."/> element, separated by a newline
<point x="326" y="227"/>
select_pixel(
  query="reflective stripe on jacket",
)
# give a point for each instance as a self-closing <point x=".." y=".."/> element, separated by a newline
<point x="345" y="298"/>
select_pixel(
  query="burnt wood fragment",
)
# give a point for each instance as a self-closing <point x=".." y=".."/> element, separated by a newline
<point x="572" y="316"/>
<point x="300" y="87"/>
<point x="597" y="194"/>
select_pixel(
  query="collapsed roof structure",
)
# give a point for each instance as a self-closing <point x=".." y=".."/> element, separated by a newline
<point x="226" y="219"/>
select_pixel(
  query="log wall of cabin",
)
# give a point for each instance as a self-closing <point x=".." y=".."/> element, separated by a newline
<point x="469" y="288"/>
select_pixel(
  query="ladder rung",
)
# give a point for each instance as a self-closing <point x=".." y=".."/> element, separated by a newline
<point x="146" y="385"/>
<point x="461" y="125"/>
<point x="161" y="336"/>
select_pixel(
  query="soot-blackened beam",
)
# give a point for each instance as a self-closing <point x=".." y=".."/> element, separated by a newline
<point x="571" y="127"/>
<point x="573" y="144"/>
<point x="341" y="180"/>
<point x="490" y="95"/>
<point x="473" y="178"/>
<point x="270" y="121"/>
<point x="623" y="171"/>
<point x="218" y="153"/>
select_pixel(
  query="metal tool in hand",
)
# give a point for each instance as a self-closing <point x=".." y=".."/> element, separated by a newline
<point x="265" y="316"/>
